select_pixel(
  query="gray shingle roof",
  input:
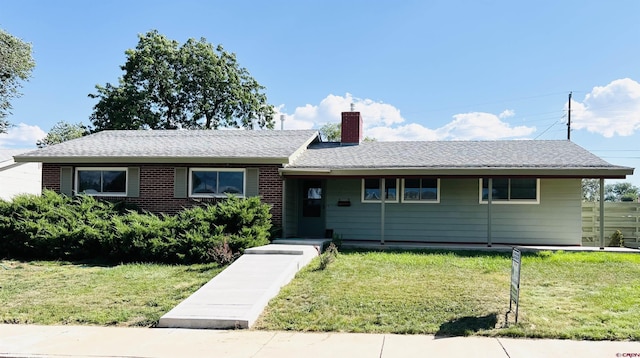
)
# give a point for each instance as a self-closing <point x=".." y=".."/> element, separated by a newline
<point x="450" y="154"/>
<point x="166" y="145"/>
<point x="288" y="148"/>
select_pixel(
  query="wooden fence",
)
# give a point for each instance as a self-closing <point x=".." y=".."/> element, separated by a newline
<point x="617" y="216"/>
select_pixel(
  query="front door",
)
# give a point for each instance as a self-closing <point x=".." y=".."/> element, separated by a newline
<point x="312" y="219"/>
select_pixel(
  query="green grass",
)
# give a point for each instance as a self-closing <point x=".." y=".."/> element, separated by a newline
<point x="563" y="295"/>
<point x="122" y="295"/>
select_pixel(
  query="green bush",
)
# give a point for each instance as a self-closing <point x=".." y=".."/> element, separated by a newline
<point x="240" y="223"/>
<point x="328" y="256"/>
<point x="617" y="239"/>
<point x="53" y="226"/>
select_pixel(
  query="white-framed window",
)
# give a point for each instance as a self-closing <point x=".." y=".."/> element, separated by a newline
<point x="372" y="190"/>
<point x="511" y="191"/>
<point x="101" y="181"/>
<point x="216" y="182"/>
<point x="420" y="190"/>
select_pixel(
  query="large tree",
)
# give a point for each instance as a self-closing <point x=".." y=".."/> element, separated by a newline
<point x="332" y="132"/>
<point x="16" y="65"/>
<point x="167" y="85"/>
<point x="590" y="189"/>
<point x="62" y="132"/>
<point x="622" y="191"/>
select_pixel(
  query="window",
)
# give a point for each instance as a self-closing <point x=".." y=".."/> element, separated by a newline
<point x="372" y="189"/>
<point x="216" y="182"/>
<point x="421" y="190"/>
<point x="511" y="190"/>
<point x="312" y="199"/>
<point x="101" y="181"/>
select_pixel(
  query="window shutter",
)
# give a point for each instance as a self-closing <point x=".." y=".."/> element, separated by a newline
<point x="66" y="180"/>
<point x="133" y="182"/>
<point x="180" y="183"/>
<point x="252" y="182"/>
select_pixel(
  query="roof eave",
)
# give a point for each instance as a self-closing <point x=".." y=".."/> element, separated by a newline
<point x="303" y="147"/>
<point x="154" y="160"/>
<point x="599" y="172"/>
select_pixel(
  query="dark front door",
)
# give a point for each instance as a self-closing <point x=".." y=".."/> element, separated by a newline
<point x="312" y="218"/>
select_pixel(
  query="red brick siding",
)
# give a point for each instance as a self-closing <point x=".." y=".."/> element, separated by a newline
<point x="270" y="189"/>
<point x="156" y="187"/>
<point x="351" y="127"/>
<point x="51" y="177"/>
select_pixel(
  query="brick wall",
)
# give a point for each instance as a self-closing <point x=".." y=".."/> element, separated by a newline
<point x="156" y="187"/>
<point x="51" y="177"/>
<point x="270" y="189"/>
<point x="351" y="127"/>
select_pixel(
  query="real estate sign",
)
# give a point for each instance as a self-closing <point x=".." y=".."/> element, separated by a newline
<point x="515" y="281"/>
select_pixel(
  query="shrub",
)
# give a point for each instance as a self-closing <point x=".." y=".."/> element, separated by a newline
<point x="617" y="239"/>
<point x="246" y="221"/>
<point x="53" y="226"/>
<point x="141" y="237"/>
<point x="328" y="256"/>
<point x="222" y="254"/>
<point x="234" y="222"/>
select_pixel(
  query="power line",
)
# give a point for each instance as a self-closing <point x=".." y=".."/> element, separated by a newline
<point x="545" y="131"/>
<point x="488" y="103"/>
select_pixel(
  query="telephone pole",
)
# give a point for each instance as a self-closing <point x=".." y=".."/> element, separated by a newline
<point x="569" y="119"/>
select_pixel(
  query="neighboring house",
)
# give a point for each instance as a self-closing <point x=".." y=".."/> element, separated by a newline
<point x="371" y="191"/>
<point x="18" y="178"/>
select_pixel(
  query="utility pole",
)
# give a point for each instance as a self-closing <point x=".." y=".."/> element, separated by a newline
<point x="569" y="119"/>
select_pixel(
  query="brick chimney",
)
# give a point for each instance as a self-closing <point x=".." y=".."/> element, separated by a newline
<point x="351" y="128"/>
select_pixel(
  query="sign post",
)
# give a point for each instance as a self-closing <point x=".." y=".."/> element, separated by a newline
<point x="515" y="282"/>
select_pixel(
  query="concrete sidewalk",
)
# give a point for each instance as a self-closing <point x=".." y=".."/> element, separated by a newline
<point x="238" y="295"/>
<point x="88" y="341"/>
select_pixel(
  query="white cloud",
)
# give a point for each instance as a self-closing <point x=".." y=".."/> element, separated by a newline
<point x="21" y="136"/>
<point x="507" y="113"/>
<point x="329" y="110"/>
<point x="384" y="122"/>
<point x="407" y="132"/>
<point x="610" y="110"/>
<point x="481" y="126"/>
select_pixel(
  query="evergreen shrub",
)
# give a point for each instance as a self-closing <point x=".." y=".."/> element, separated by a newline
<point x="54" y="226"/>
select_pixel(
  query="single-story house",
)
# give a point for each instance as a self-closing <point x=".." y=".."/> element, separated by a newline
<point x="514" y="192"/>
<point x="18" y="178"/>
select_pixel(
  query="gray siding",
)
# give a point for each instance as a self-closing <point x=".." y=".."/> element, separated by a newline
<point x="292" y="208"/>
<point x="133" y="184"/>
<point x="66" y="180"/>
<point x="459" y="218"/>
<point x="180" y="183"/>
<point x="253" y="175"/>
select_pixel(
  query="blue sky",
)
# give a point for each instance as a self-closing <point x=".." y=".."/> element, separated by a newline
<point x="416" y="70"/>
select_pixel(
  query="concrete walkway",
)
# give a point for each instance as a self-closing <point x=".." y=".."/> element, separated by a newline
<point x="87" y="341"/>
<point x="238" y="295"/>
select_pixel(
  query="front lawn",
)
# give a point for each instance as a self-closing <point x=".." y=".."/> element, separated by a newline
<point x="51" y="292"/>
<point x="563" y="295"/>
